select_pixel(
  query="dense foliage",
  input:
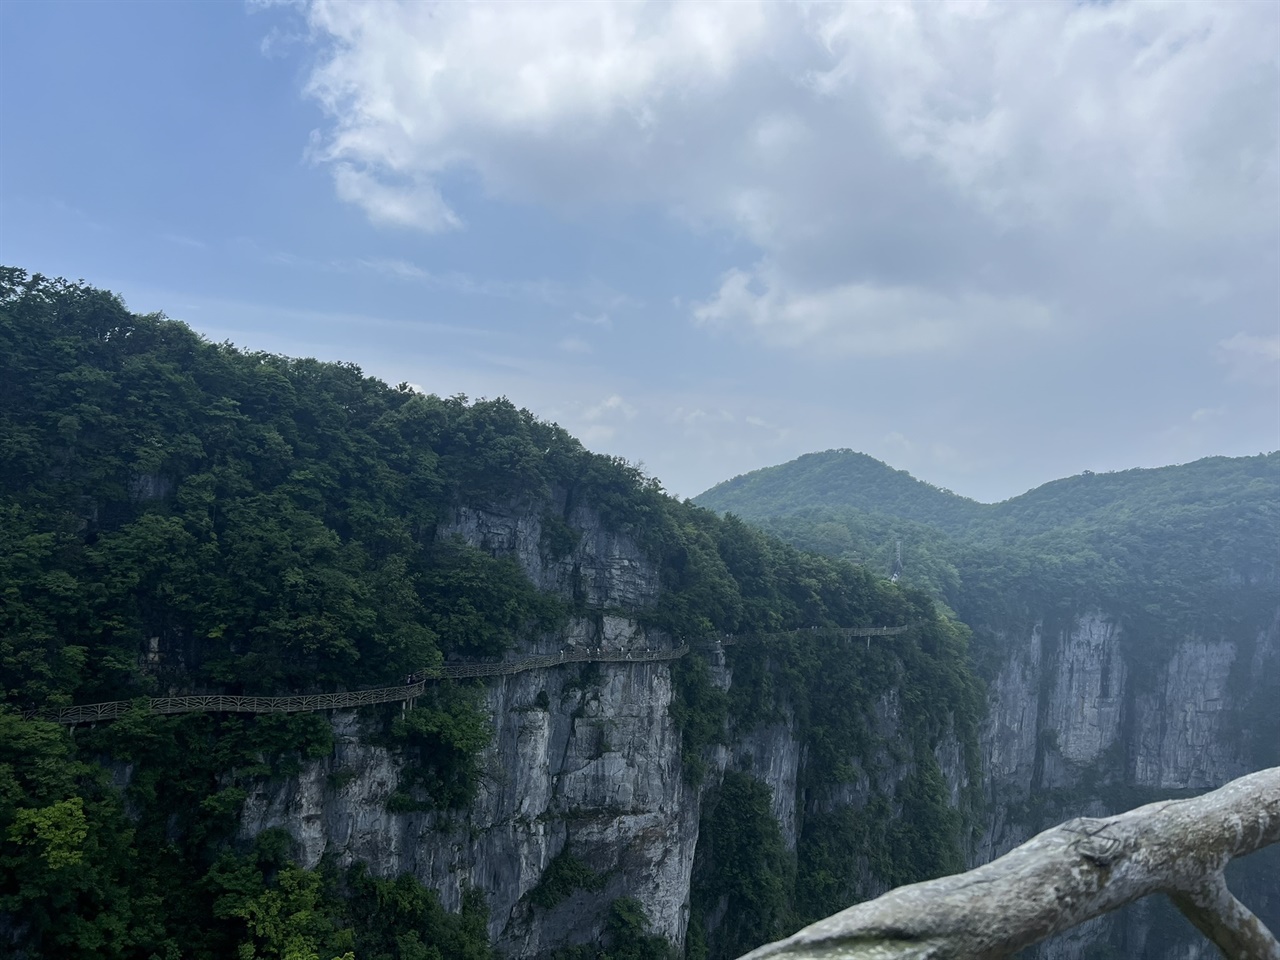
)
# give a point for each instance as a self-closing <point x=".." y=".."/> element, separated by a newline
<point x="627" y="936"/>
<point x="1173" y="551"/>
<point x="90" y="870"/>
<point x="744" y="872"/>
<point x="565" y="874"/>
<point x="267" y="521"/>
<point x="178" y="515"/>
<point x="842" y="480"/>
<point x="860" y="711"/>
<point x="838" y="478"/>
<point x="1170" y="554"/>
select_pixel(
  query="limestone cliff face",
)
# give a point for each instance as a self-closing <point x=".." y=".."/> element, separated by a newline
<point x="604" y="570"/>
<point x="586" y="759"/>
<point x="1078" y="726"/>
<point x="596" y="773"/>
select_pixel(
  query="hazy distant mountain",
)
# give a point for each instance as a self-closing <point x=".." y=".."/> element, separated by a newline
<point x="1127" y="625"/>
<point x="843" y="480"/>
<point x="839" y="479"/>
<point x="1178" y="548"/>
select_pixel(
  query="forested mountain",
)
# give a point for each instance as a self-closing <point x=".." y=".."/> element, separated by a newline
<point x="179" y="516"/>
<point x="842" y="480"/>
<point x="1187" y="545"/>
<point x="1127" y="624"/>
<point x="839" y="479"/>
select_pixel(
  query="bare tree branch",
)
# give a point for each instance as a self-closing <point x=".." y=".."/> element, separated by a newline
<point x="1226" y="921"/>
<point x="1077" y="871"/>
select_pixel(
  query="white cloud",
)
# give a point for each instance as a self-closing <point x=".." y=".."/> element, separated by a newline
<point x="411" y="203"/>
<point x="415" y="90"/>
<point x="609" y="407"/>
<point x="861" y="318"/>
<point x="1032" y="109"/>
<point x="911" y="175"/>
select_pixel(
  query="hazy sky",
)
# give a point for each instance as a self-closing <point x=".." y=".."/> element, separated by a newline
<point x="990" y="244"/>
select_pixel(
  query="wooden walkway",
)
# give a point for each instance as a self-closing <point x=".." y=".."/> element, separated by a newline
<point x="414" y="686"/>
<point x="843" y="633"/>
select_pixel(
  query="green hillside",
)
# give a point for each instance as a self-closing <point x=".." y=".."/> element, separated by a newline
<point x="842" y="480"/>
<point x="269" y="524"/>
<point x="1181" y="558"/>
<point x="1183" y="548"/>
<point x="839" y="479"/>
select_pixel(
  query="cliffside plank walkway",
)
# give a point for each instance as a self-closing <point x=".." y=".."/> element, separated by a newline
<point x="838" y="632"/>
<point x="414" y="686"/>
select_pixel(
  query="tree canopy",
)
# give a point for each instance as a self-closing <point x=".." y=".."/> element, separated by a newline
<point x="184" y="516"/>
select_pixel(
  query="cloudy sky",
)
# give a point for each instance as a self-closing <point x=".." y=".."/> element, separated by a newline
<point x="992" y="244"/>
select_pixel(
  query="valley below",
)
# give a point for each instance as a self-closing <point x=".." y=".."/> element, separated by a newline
<point x="750" y="724"/>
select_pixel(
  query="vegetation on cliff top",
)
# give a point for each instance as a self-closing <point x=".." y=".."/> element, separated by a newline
<point x="1172" y="551"/>
<point x="178" y="515"/>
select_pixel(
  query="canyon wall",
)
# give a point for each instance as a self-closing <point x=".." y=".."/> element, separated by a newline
<point x="1083" y="721"/>
<point x="585" y="761"/>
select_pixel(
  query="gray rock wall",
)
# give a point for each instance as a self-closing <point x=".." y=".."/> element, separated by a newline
<point x="596" y="773"/>
<point x="605" y="570"/>
<point x="1075" y="729"/>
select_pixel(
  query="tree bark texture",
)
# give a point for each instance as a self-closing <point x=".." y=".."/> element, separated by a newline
<point x="1074" y="872"/>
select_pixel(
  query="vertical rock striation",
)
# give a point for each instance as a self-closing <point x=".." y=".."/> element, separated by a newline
<point x="586" y="761"/>
<point x="1084" y="721"/>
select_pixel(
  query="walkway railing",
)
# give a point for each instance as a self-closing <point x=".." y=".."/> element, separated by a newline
<point x="838" y="632"/>
<point x="414" y="686"/>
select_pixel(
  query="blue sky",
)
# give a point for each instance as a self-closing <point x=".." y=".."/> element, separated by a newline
<point x="990" y="244"/>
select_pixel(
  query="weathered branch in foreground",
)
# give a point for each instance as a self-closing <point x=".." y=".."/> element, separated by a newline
<point x="1065" y="876"/>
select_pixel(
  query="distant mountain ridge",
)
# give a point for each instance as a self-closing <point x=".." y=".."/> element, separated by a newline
<point x="1148" y="544"/>
<point x="843" y="480"/>
<point x="1127" y="627"/>
<point x="839" y="478"/>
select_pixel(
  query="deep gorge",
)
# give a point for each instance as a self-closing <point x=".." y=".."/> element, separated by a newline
<point x="184" y="517"/>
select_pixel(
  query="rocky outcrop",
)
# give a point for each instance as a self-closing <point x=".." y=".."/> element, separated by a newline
<point x="595" y="772"/>
<point x="1182" y="738"/>
<point x="585" y="759"/>
<point x="1084" y="721"/>
<point x="772" y="754"/>
<point x="603" y="570"/>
